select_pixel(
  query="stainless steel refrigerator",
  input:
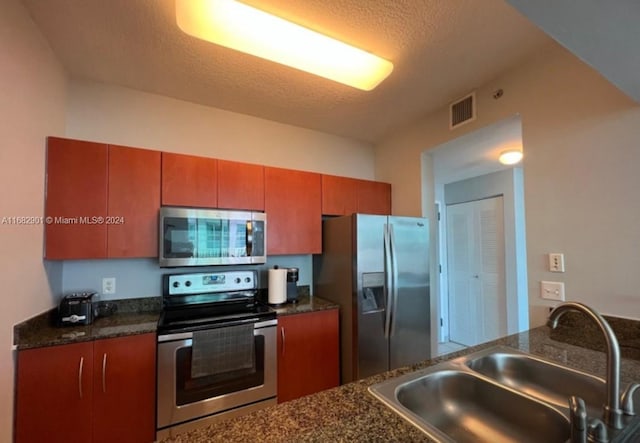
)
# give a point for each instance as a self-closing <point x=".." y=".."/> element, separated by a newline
<point x="377" y="269"/>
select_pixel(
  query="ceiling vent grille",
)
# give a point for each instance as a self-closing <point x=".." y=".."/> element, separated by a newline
<point x="462" y="111"/>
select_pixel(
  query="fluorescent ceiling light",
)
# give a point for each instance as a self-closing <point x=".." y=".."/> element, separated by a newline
<point x="510" y="157"/>
<point x="241" y="27"/>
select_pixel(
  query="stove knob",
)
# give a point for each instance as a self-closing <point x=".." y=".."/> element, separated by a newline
<point x="176" y="284"/>
<point x="238" y="280"/>
<point x="248" y="279"/>
<point x="187" y="283"/>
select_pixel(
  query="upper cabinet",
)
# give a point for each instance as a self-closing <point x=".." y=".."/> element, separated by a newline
<point x="240" y="186"/>
<point x="76" y="186"/>
<point x="344" y="196"/>
<point x="102" y="200"/>
<point x="188" y="180"/>
<point x="134" y="202"/>
<point x="292" y="201"/>
<point x="374" y="197"/>
<point x="203" y="182"/>
<point x="339" y="195"/>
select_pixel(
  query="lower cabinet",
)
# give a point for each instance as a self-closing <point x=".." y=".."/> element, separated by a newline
<point x="101" y="391"/>
<point x="308" y="353"/>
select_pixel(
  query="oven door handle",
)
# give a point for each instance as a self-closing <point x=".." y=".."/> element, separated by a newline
<point x="188" y="335"/>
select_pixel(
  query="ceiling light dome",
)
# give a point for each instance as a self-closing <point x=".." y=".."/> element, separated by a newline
<point x="510" y="157"/>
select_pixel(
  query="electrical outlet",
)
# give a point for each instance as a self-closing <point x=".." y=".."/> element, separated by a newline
<point x="109" y="285"/>
<point x="552" y="290"/>
<point x="556" y="262"/>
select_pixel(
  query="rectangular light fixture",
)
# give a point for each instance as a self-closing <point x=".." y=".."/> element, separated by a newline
<point x="238" y="26"/>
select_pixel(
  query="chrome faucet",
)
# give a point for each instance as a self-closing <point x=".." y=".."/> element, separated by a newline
<point x="612" y="412"/>
<point x="627" y="399"/>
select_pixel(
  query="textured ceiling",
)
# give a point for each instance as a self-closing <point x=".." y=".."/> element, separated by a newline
<point x="441" y="50"/>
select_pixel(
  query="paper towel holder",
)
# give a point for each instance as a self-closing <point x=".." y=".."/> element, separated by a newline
<point x="277" y="293"/>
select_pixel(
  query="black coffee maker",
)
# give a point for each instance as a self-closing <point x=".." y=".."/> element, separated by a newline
<point x="292" y="285"/>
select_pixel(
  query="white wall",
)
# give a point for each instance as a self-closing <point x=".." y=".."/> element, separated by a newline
<point x="119" y="115"/>
<point x="124" y="116"/>
<point x="580" y="138"/>
<point x="32" y="107"/>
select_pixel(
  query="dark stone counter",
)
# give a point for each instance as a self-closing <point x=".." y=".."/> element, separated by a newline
<point x="306" y="303"/>
<point x="575" y="328"/>
<point x="350" y="413"/>
<point x="135" y="316"/>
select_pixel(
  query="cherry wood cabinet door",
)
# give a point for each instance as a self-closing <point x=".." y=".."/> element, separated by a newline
<point x="293" y="201"/>
<point x="240" y="186"/>
<point x="124" y="389"/>
<point x="374" y="197"/>
<point x="308" y="353"/>
<point x="134" y="202"/>
<point x="54" y="394"/>
<point x="188" y="180"/>
<point x="339" y="195"/>
<point x="76" y="186"/>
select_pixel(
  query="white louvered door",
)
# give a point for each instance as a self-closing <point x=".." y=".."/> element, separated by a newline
<point x="475" y="250"/>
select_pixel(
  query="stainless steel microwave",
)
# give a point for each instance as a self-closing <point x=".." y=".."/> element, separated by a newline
<point x="200" y="237"/>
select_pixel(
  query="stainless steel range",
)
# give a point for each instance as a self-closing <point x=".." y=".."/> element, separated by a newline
<point x="216" y="350"/>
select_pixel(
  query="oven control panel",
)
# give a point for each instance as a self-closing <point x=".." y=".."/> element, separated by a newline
<point x="207" y="282"/>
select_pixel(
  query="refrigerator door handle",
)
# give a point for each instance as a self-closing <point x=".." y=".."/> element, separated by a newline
<point x="394" y="279"/>
<point x="387" y="281"/>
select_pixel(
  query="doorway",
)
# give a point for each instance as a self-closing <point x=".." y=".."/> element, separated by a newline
<point x="467" y="168"/>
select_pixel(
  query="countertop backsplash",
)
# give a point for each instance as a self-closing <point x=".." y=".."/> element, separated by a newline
<point x="137" y="278"/>
<point x="576" y="329"/>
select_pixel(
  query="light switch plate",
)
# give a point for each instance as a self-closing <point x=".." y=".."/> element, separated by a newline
<point x="552" y="290"/>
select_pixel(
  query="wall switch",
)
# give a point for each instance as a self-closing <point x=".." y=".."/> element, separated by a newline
<point x="109" y="285"/>
<point x="556" y="262"/>
<point x="552" y="290"/>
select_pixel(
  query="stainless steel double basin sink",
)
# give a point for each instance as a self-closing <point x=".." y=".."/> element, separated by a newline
<point x="495" y="395"/>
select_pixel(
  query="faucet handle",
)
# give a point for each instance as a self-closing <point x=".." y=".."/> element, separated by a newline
<point x="597" y="431"/>
<point x="627" y="399"/>
<point x="578" y="419"/>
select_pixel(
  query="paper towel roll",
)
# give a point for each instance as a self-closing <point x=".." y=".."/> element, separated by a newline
<point x="277" y="286"/>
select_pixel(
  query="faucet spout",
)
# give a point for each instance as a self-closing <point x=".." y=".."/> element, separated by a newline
<point x="612" y="412"/>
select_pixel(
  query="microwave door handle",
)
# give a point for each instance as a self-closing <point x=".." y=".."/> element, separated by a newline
<point x="249" y="238"/>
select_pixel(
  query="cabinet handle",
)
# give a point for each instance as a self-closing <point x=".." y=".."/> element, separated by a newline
<point x="104" y="372"/>
<point x="80" y="376"/>
<point x="283" y="340"/>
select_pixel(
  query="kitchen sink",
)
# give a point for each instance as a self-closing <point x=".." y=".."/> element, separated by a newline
<point x="544" y="380"/>
<point x="494" y="395"/>
<point x="451" y="404"/>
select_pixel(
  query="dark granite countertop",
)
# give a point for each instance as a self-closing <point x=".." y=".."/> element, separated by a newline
<point x="350" y="413"/>
<point x="134" y="316"/>
<point x="306" y="303"/>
